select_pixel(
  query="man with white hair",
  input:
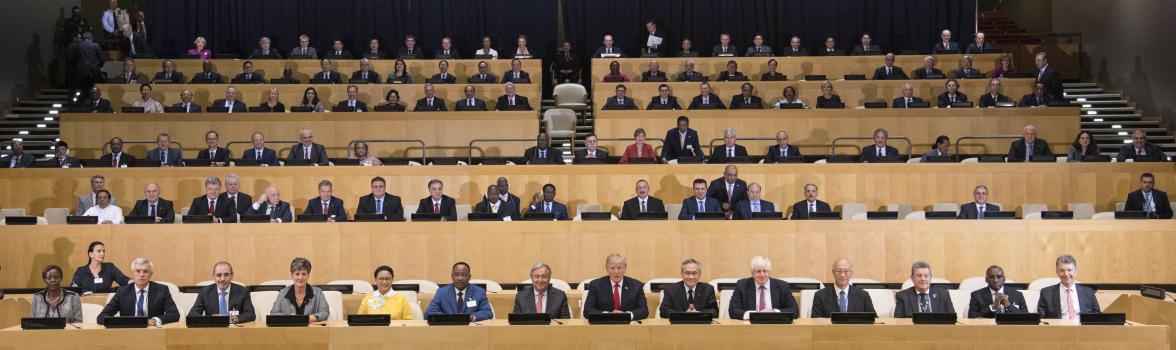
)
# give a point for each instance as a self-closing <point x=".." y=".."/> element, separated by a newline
<point x="945" y="44"/>
<point x="729" y="150"/>
<point x="238" y="202"/>
<point x="908" y="97"/>
<point x="1067" y="299"/>
<point x="761" y="292"/>
<point x="841" y="296"/>
<point x="271" y="204"/>
<point x="510" y="101"/>
<point x="922" y="297"/>
<point x="1029" y="145"/>
<point x="540" y="297"/>
<point x="142" y="298"/>
<point x="616" y="292"/>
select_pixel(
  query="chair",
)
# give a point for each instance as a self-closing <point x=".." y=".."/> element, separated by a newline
<point x="862" y="280"/>
<point x="588" y="207"/>
<point x="911" y="161"/>
<point x="463" y="211"/>
<point x="584" y="284"/>
<point x="1106" y="215"/>
<point x="1063" y="159"/>
<point x="973" y="283"/>
<point x="1031" y="298"/>
<point x="821" y="161"/>
<point x="409" y="209"/>
<point x="357" y="286"/>
<point x="849" y="209"/>
<point x="659" y="280"/>
<point x="171" y="287"/>
<point x="570" y="96"/>
<point x="1120" y="205"/>
<point x="945" y="207"/>
<point x="1040" y="283"/>
<point x="916" y="215"/>
<point x="1027" y="209"/>
<point x="56" y="216"/>
<point x="661" y="297"/>
<point x="860" y="216"/>
<point x="491" y="286"/>
<point x="910" y="283"/>
<point x="792" y="280"/>
<point x="902" y="209"/>
<point x="1081" y="210"/>
<point x="970" y="160"/>
<point x="413" y="303"/>
<point x="90" y="313"/>
<point x="883" y="300"/>
<point x="673" y="210"/>
<point x="277" y="283"/>
<point x="725" y="303"/>
<point x="555" y="283"/>
<point x="960" y="299"/>
<point x="560" y="123"/>
<point x="184" y="301"/>
<point x="1032" y="216"/>
<point x="263" y="303"/>
<point x="722" y="280"/>
<point x="425" y="286"/>
<point x="583" y="297"/>
<point x="12" y="212"/>
<point x="806" y="302"/>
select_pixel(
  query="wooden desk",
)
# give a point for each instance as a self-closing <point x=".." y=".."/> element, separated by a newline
<point x="814" y="130"/>
<point x="329" y="94"/>
<point x="854" y="93"/>
<point x="1148" y="311"/>
<point x="421" y="70"/>
<point x="794" y="67"/>
<point x="445" y="133"/>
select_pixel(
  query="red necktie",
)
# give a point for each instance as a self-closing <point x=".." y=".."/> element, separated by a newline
<point x="325" y="205"/>
<point x="211" y="206"/>
<point x="436" y="208"/>
<point x="616" y="297"/>
<point x="114" y="160"/>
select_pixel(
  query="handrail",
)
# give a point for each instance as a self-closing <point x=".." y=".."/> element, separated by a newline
<point x="713" y="142"/>
<point x="424" y="148"/>
<point x="107" y="144"/>
<point x="470" y="149"/>
<point x="1006" y="137"/>
<point x="833" y="145"/>
<point x="276" y="151"/>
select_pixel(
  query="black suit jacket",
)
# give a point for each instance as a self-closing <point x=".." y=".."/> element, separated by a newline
<point x="199" y="206"/>
<point x="825" y="301"/>
<point x="974" y="49"/>
<point x="583" y="153"/>
<point x="599" y="299"/>
<point x="553" y="156"/>
<point x="238" y="105"/>
<point x="870" y="153"/>
<point x="333" y="77"/>
<point x="1127" y="151"/>
<point x="980" y="305"/>
<point x="416" y="53"/>
<point x="632" y="207"/>
<point x="951" y="46"/>
<point x="257" y="54"/>
<point x="505" y="209"/>
<point x="252" y="78"/>
<point x="1135" y="202"/>
<point x="423" y="105"/>
<point x="222" y="155"/>
<point x="164" y="209"/>
<point x="601" y="51"/>
<point x="124" y="159"/>
<point x="896" y="73"/>
<point x="26" y="161"/>
<point x="671" y="103"/>
<point x="1017" y="150"/>
<point x="372" y="76"/>
<point x="193" y="107"/>
<point x="556" y="304"/>
<point x="208" y="302"/>
<point x="789" y="52"/>
<point x="1052" y="81"/>
<point x="691" y="76"/>
<point x="800" y="209"/>
<point x="900" y="102"/>
<point x="206" y="78"/>
<point x="268" y="156"/>
<point x="718" y="191"/>
<point x="654" y="76"/>
<point x="906" y="302"/>
<point x="743" y="209"/>
<point x="449" y="79"/>
<point x="520" y="102"/>
<point x="281" y="211"/>
<point x="1031" y="100"/>
<point x="341" y="54"/>
<point x="159" y="303"/>
<point x="448" y="207"/>
<point x="523" y="78"/>
<point x="175" y="78"/>
<point x="672" y="149"/>
<point x="674" y="299"/>
<point x="718" y="50"/>
<point x="142" y="49"/>
<point x="464" y="105"/>
<point x="440" y="54"/>
<point x="103" y="106"/>
<point x="478" y="79"/>
<point x="318" y="153"/>
<point x="715" y="103"/>
<point x="737" y="102"/>
<point x="923" y="74"/>
<point x="861" y="50"/>
<point x="774" y="155"/>
<point x="986" y="100"/>
<point x="745" y="298"/>
<point x="612" y="104"/>
<point x="970" y="211"/>
<point x="719" y="154"/>
<point x="1049" y="304"/>
<point x="334" y="208"/>
<point x="360" y="106"/>
<point x="392" y="206"/>
<point x="241" y="205"/>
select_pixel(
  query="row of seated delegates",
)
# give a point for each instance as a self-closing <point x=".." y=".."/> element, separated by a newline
<point x="410" y="50"/>
<point x="726" y="48"/>
<point x="365" y="75"/>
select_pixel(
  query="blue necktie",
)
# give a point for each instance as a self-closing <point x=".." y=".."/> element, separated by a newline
<point x="379" y="207"/>
<point x="224" y="303"/>
<point x="139" y="309"/>
<point x="842" y="301"/>
<point x="755" y="207"/>
<point x="701" y="207"/>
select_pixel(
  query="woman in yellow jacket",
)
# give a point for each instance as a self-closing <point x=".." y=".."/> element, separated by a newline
<point x="384" y="300"/>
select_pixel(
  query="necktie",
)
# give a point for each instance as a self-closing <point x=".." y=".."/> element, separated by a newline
<point x="542" y="154"/>
<point x="842" y="301"/>
<point x="887" y="70"/>
<point x="14" y="161"/>
<point x="1148" y="205"/>
<point x="981" y="213"/>
<point x="924" y="303"/>
<point x="880" y="151"/>
<point x="233" y="201"/>
<point x="1073" y="312"/>
<point x="270" y="211"/>
<point x="690" y="297"/>
<point x="325" y="205"/>
<point x="212" y="154"/>
<point x="436" y="208"/>
<point x="470" y="102"/>
<point x="304" y="51"/>
<point x="642" y="206"/>
<point x="461" y="300"/>
<point x="351" y="103"/>
<point x="762" y="300"/>
<point x="706" y="100"/>
<point x="151" y="210"/>
<point x="1041" y="75"/>
<point x="755" y="207"/>
<point x="229" y="105"/>
<point x="364" y="75"/>
<point x="1138" y="152"/>
<point x="812" y="207"/>
<point x="248" y="76"/>
<point x="701" y="206"/>
<point x="379" y="206"/>
<point x="483" y="77"/>
<point x="539" y="303"/>
<point x="512" y="99"/>
<point x="546" y="207"/>
<point x="747" y="100"/>
<point x="664" y="102"/>
<point x="783" y="151"/>
<point x="224" y="303"/>
<point x="257" y="154"/>
<point x="187" y="108"/>
<point x="167" y="76"/>
<point x="164" y="158"/>
<point x="113" y="160"/>
<point x="140" y="306"/>
<point x="730" y="190"/>
<point x="608" y="50"/>
<point x="443" y="75"/>
<point x="306" y="152"/>
<point x="731" y="152"/>
<point x="682" y="141"/>
<point x="211" y="206"/>
<point x="616" y="297"/>
<point x="516" y="75"/>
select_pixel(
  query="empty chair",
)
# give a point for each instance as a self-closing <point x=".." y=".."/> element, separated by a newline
<point x="960" y="299"/>
<point x="357" y="286"/>
<point x="647" y="286"/>
<point x="90" y="313"/>
<point x="902" y="209"/>
<point x="1032" y="216"/>
<point x="883" y="300"/>
<point x="335" y="305"/>
<point x="424" y="286"/>
<point x="970" y="160"/>
<point x="913" y="160"/>
<point x="1081" y="210"/>
<point x="1040" y="283"/>
<point x="12" y="212"/>
<point x="184" y="302"/>
<point x="589" y="208"/>
<point x="413" y="303"/>
<point x="171" y="287"/>
<point x="463" y="211"/>
<point x="263" y="303"/>
<point x="491" y="286"/>
<point x="725" y="303"/>
<point x="1106" y="215"/>
<point x="570" y="96"/>
<point x="409" y="209"/>
<point x="916" y="215"/>
<point x="561" y="123"/>
<point x="848" y="210"/>
<point x="806" y="302"/>
<point x="722" y="280"/>
<point x="56" y="216"/>
<point x="1120" y="205"/>
<point x="934" y="280"/>
<point x="1027" y="209"/>
<point x="943" y="206"/>
<point x="794" y="280"/>
<point x="672" y="210"/>
<point x="860" y="216"/>
<point x="1031" y="297"/>
<point x="584" y="285"/>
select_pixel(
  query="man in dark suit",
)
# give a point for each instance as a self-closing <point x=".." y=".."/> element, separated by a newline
<point x="1067" y="299"/>
<point x="484" y="76"/>
<point x="996" y="298"/>
<point x="976" y="209"/>
<point x="753" y="204"/>
<point x="728" y="150"/>
<point x="446" y="52"/>
<point x="64" y="160"/>
<point x="699" y="202"/>
<point x="186" y="102"/>
<point x="210" y="203"/>
<point x="1037" y="98"/>
<point x="470" y="103"/>
<point x="922" y="297"/>
<point x="608" y="50"/>
<point x="746" y="100"/>
<point x="706" y="99"/>
<point x="443" y="76"/>
<point x="761" y="293"/>
<point x="688" y="74"/>
<point x="380" y="201"/>
<point x="307" y="149"/>
<point x="548" y="204"/>
<point x="353" y="103"/>
<point x="908" y="97"/>
<point x="19" y="159"/>
<point x="409" y="50"/>
<point x="1148" y="199"/>
<point x="542" y="152"/>
<point x="169" y="74"/>
<point x="492" y="203"/>
<point x="271" y="204"/>
<point x="782" y="149"/>
<point x="1140" y="148"/>
<point x="217" y="155"/>
<point x="224" y="298"/>
<point x="872" y="153"/>
<point x="729" y="189"/>
<point x="993" y="96"/>
<point x="810" y="204"/>
<point x="889" y="71"/>
<point x="206" y="75"/>
<point x="510" y="101"/>
<point x="841" y="296"/>
<point x="327" y="75"/>
<point x="264" y="51"/>
<point x="620" y="101"/>
<point x="794" y="49"/>
<point x="540" y="297"/>
<point x="95" y="104"/>
<point x="1028" y="146"/>
<point x="867" y="47"/>
<point x="248" y="76"/>
<point x="830" y="48"/>
<point x="681" y="141"/>
<point x="365" y="72"/>
<point x="142" y="298"/>
<point x="689" y="295"/>
<point x="663" y="101"/>
<point x="945" y="44"/>
<point x="238" y="202"/>
<point x="259" y="152"/>
<point x="230" y="101"/>
<point x="116" y="158"/>
<point x="437" y="202"/>
<point x="1048" y="76"/>
<point x="978" y="46"/>
<point x="128" y="74"/>
<point x="373" y="52"/>
<point x="651" y="31"/>
<point x="516" y="74"/>
<point x="327" y="204"/>
<point x="724" y="48"/>
<point x="337" y="52"/>
<point x="616" y="292"/>
<point x="516" y="204"/>
<point x="161" y="209"/>
<point x="590" y="150"/>
<point x="642" y="203"/>
<point x="654" y="74"/>
<point x="929" y="71"/>
<point x="430" y="102"/>
<point x="566" y="68"/>
<point x="163" y="153"/>
<point x="86" y="60"/>
<point x="135" y="43"/>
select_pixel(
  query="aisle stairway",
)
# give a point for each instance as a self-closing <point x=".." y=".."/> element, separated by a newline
<point x="1111" y="118"/>
<point x="35" y="121"/>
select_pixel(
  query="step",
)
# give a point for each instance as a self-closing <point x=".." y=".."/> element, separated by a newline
<point x="1111" y="118"/>
<point x="1126" y="132"/>
<point x="1079" y="97"/>
<point x="29" y="117"/>
<point x="1122" y="125"/>
<point x="1079" y="85"/>
<point x="1096" y="90"/>
<point x="1107" y="109"/>
<point x="1103" y="103"/>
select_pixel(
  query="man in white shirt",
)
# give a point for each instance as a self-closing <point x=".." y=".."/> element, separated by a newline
<point x="106" y="213"/>
<point x="113" y="18"/>
<point x="1066" y="300"/>
<point x="97" y="183"/>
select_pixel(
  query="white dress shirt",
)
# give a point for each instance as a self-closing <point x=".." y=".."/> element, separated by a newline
<point x="1064" y="310"/>
<point x="112" y="213"/>
<point x="767" y="299"/>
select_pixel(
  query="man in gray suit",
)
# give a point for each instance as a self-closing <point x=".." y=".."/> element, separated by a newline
<point x="540" y="296"/>
<point x="921" y="298"/>
<point x="97" y="183"/>
<point x="304" y="49"/>
<point x="166" y="155"/>
<point x="307" y="149"/>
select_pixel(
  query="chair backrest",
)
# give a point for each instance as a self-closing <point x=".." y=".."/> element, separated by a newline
<point x="1031" y="298"/>
<point x="960" y="299"/>
<point x="263" y="302"/>
<point x="916" y="215"/>
<point x="970" y="160"/>
<point x="883" y="300"/>
<point x="914" y="160"/>
<point x="580" y="208"/>
<point x="277" y="283"/>
<point x="673" y="210"/>
<point x="943" y="206"/>
<point x="1063" y="159"/>
<point x="859" y="216"/>
<point x="583" y="297"/>
<point x="184" y="302"/>
<point x="209" y="282"/>
<point x="12" y="212"/>
<point x="463" y="211"/>
<point x="1040" y="283"/>
<point x="1106" y="215"/>
<point x="413" y="303"/>
<point x="659" y="280"/>
<point x="806" y="302"/>
<point x="725" y="303"/>
<point x="491" y="286"/>
<point x="90" y="313"/>
<point x="973" y="283"/>
<point x="584" y="284"/>
<point x="910" y="283"/>
<point x="862" y="280"/>
<point x="425" y="286"/>
<point x="1120" y="205"/>
<point x="792" y="280"/>
<point x="1027" y="209"/>
<point x="1032" y="216"/>
<point x="555" y="283"/>
<point x="41" y="220"/>
<point x="661" y="297"/>
<point x="56" y="216"/>
<point x="1081" y="210"/>
<point x="821" y="161"/>
<point x="722" y="280"/>
<point x="409" y="209"/>
<point x="569" y="93"/>
<point x="335" y="305"/>
<point x="357" y="286"/>
<point x="560" y="122"/>
<point x="902" y="209"/>
<point x="848" y="210"/>
<point x="171" y="287"/>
